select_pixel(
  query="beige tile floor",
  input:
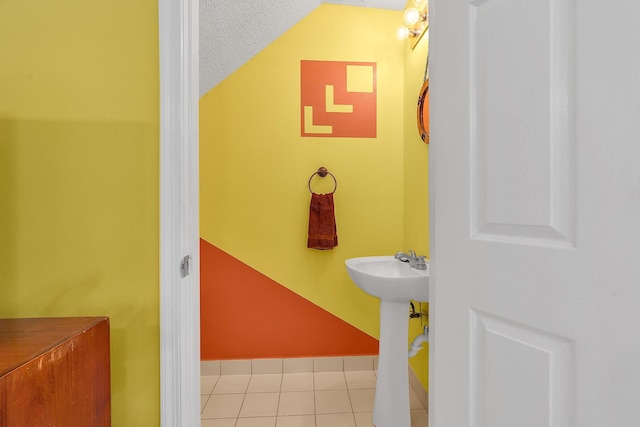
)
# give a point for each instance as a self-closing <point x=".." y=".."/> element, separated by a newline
<point x="310" y="399"/>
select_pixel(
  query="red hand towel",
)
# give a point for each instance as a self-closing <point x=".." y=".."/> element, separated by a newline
<point x="322" y="222"/>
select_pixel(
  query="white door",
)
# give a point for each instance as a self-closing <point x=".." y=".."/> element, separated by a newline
<point x="535" y="183"/>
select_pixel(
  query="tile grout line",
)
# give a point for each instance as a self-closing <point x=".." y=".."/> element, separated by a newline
<point x="315" y="410"/>
<point x="353" y="411"/>
<point x="279" y="393"/>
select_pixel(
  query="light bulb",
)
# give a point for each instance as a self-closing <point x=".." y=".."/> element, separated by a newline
<point x="411" y="16"/>
<point x="403" y="33"/>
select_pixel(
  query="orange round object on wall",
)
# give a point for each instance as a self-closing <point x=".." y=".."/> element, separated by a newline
<point x="423" y="112"/>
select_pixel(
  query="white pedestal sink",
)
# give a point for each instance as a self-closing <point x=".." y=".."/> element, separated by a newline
<point x="395" y="283"/>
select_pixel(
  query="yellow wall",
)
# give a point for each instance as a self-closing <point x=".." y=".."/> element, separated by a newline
<point x="416" y="181"/>
<point x="255" y="165"/>
<point x="79" y="178"/>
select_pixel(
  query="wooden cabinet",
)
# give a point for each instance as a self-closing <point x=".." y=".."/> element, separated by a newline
<point x="55" y="372"/>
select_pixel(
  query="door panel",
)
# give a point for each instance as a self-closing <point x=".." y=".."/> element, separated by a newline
<point x="520" y="376"/>
<point x="523" y="144"/>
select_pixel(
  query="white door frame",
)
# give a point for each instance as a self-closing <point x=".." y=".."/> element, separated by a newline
<point x="179" y="220"/>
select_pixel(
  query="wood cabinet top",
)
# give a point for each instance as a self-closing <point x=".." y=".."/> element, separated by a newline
<point x="24" y="339"/>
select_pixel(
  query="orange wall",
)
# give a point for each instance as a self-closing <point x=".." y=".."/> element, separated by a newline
<point x="268" y="319"/>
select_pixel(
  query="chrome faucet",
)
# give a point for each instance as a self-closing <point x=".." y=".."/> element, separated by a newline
<point x="415" y="261"/>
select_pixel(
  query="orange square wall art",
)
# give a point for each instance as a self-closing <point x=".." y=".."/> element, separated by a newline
<point x="338" y="99"/>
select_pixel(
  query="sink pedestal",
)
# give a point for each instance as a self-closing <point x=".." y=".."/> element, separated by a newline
<point x="395" y="283"/>
<point x="391" y="405"/>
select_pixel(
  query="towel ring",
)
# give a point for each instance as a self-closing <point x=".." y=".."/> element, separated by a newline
<point x="322" y="172"/>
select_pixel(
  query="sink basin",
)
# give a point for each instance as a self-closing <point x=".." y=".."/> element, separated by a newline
<point x="389" y="279"/>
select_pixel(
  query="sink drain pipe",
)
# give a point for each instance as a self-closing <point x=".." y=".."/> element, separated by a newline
<point x="416" y="345"/>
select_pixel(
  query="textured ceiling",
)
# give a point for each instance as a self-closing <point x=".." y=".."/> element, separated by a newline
<point x="224" y="43"/>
